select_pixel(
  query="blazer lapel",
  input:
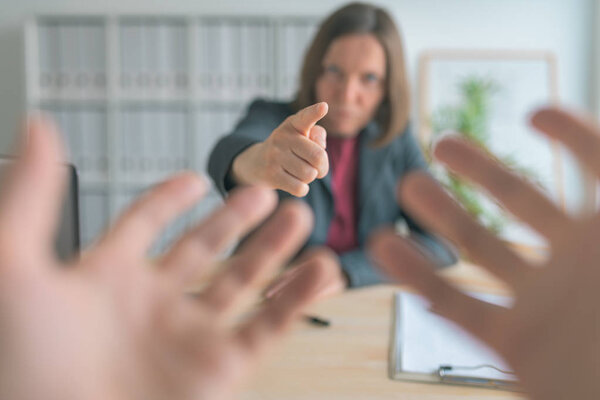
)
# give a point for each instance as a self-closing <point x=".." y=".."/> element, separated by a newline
<point x="371" y="160"/>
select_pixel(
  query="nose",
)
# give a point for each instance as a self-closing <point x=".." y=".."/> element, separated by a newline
<point x="349" y="90"/>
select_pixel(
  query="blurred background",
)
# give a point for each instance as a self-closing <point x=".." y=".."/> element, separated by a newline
<point x="141" y="88"/>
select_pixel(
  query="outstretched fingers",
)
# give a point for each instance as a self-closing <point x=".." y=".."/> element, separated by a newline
<point x="138" y="227"/>
<point x="520" y="197"/>
<point x="259" y="257"/>
<point x="429" y="203"/>
<point x="404" y="263"/>
<point x="242" y="211"/>
<point x="580" y="135"/>
<point x="312" y="282"/>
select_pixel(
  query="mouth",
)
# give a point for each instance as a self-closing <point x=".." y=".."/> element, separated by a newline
<point x="341" y="113"/>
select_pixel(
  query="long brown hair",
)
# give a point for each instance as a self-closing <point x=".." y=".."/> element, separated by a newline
<point x="359" y="18"/>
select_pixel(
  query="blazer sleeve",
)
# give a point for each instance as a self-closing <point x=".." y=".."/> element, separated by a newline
<point x="361" y="271"/>
<point x="442" y="253"/>
<point x="258" y="123"/>
<point x="359" y="268"/>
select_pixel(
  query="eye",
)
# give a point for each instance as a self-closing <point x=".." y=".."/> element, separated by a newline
<point x="370" y="78"/>
<point x="332" y="70"/>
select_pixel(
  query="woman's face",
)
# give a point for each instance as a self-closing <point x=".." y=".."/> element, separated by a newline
<point x="352" y="83"/>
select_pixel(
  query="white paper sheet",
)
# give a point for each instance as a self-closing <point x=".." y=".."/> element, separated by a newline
<point x="425" y="341"/>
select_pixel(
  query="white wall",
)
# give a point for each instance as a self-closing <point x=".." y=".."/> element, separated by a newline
<point x="562" y="26"/>
<point x="595" y="53"/>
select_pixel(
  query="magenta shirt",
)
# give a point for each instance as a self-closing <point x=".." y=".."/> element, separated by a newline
<point x="343" y="163"/>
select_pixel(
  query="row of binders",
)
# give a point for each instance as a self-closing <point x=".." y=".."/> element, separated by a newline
<point x="85" y="137"/>
<point x="150" y="143"/>
<point x="293" y="41"/>
<point x="72" y="58"/>
<point x="153" y="57"/>
<point x="222" y="62"/>
<point x="233" y="59"/>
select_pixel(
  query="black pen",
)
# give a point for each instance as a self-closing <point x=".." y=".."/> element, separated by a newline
<point x="318" y="321"/>
<point x="311" y="319"/>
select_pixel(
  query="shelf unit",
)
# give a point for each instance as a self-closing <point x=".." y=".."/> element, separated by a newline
<point x="139" y="97"/>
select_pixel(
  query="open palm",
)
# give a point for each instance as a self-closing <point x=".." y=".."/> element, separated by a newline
<point x="551" y="334"/>
<point x="115" y="325"/>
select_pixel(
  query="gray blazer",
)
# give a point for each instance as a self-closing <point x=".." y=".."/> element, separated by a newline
<point x="378" y="173"/>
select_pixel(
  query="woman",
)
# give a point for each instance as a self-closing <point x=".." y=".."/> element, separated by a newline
<point x="355" y="73"/>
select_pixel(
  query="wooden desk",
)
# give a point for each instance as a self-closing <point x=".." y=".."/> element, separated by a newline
<point x="349" y="360"/>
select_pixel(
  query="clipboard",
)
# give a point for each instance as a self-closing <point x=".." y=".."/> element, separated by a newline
<point x="425" y="347"/>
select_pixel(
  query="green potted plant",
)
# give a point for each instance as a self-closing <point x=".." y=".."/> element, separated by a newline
<point x="470" y="119"/>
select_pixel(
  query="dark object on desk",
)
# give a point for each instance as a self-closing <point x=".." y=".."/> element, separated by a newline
<point x="311" y="319"/>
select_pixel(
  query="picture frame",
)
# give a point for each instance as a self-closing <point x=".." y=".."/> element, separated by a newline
<point x="522" y="81"/>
